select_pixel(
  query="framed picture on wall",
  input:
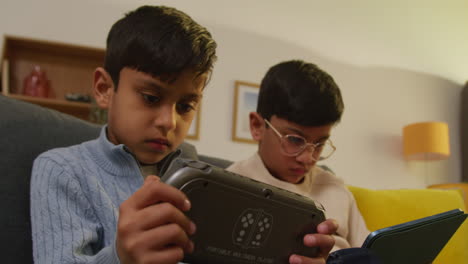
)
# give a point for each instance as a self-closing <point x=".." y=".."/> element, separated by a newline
<point x="245" y="101"/>
<point x="194" y="130"/>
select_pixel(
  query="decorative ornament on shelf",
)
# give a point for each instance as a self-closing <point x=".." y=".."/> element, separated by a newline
<point x="36" y="83"/>
<point x="78" y="97"/>
<point x="96" y="114"/>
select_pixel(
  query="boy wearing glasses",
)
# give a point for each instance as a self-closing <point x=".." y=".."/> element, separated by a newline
<point x="298" y="106"/>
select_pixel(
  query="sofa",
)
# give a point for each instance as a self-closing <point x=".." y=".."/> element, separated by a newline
<point x="28" y="130"/>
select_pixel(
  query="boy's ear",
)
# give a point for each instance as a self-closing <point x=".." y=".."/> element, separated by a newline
<point x="257" y="126"/>
<point x="103" y="87"/>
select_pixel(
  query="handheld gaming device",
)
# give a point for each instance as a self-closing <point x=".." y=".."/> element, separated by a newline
<point x="240" y="220"/>
<point x="416" y="242"/>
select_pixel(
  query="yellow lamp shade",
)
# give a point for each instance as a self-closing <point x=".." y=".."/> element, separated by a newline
<point x="426" y="141"/>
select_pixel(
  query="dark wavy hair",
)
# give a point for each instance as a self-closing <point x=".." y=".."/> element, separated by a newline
<point x="160" y="41"/>
<point x="300" y="92"/>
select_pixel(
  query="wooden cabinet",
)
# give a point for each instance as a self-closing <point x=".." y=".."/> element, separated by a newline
<point x="69" y="69"/>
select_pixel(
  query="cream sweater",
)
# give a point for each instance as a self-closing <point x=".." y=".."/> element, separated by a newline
<point x="323" y="187"/>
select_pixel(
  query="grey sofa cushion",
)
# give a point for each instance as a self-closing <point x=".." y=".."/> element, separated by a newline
<point x="26" y="131"/>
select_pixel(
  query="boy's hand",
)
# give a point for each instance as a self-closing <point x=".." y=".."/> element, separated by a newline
<point x="152" y="227"/>
<point x="321" y="239"/>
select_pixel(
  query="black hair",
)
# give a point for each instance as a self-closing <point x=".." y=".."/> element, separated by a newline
<point x="160" y="41"/>
<point x="300" y="92"/>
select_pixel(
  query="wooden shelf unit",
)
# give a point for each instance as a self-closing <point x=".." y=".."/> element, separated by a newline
<point x="68" y="67"/>
<point x="77" y="109"/>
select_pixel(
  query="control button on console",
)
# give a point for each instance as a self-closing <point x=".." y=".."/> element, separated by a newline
<point x="197" y="165"/>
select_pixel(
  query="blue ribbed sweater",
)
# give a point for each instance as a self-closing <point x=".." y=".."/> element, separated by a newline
<point x="75" y="196"/>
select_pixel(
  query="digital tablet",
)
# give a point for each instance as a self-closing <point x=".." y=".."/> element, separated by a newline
<point x="415" y="242"/>
<point x="240" y="220"/>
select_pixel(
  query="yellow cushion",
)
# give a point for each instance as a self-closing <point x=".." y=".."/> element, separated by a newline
<point x="461" y="186"/>
<point x="383" y="208"/>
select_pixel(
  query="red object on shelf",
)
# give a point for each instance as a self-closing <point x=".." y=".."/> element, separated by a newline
<point x="36" y="83"/>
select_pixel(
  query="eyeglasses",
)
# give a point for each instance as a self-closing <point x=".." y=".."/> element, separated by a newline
<point x="293" y="145"/>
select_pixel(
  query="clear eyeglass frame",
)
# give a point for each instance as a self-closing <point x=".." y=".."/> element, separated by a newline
<point x="326" y="149"/>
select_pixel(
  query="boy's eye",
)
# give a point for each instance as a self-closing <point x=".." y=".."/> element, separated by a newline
<point x="184" y="108"/>
<point x="150" y="98"/>
<point x="295" y="140"/>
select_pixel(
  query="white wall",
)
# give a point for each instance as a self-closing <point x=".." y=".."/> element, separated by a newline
<point x="397" y="62"/>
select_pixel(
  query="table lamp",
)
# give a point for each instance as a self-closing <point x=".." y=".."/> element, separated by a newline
<point x="426" y="141"/>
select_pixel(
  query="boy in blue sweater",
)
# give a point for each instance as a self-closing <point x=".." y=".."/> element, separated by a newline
<point x="100" y="201"/>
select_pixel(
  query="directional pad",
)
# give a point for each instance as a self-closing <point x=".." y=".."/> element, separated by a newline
<point x="252" y="228"/>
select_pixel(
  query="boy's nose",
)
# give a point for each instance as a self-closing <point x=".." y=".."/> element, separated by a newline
<point x="166" y="118"/>
<point x="308" y="155"/>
